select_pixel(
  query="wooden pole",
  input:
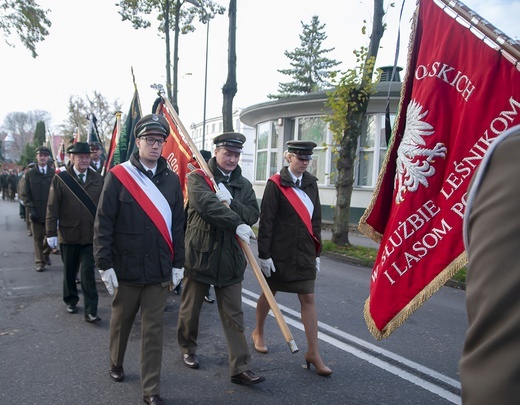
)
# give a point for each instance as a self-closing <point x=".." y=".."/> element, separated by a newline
<point x="245" y="247"/>
<point x="505" y="43"/>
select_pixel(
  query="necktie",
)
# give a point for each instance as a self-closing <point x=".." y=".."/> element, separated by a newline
<point x="42" y="170"/>
<point x="81" y="175"/>
<point x="150" y="173"/>
<point x="298" y="183"/>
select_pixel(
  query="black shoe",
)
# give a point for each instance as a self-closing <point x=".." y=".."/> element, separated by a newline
<point x="117" y="373"/>
<point x="209" y="298"/>
<point x="247" y="378"/>
<point x="40" y="268"/>
<point x="48" y="261"/>
<point x="153" y="400"/>
<point x="92" y="318"/>
<point x="191" y="360"/>
<point x="72" y="309"/>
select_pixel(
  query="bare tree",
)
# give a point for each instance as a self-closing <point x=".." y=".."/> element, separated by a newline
<point x="80" y="108"/>
<point x="171" y="16"/>
<point x="21" y="126"/>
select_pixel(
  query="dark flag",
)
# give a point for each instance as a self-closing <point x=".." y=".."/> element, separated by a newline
<point x="93" y="133"/>
<point x="126" y="144"/>
<point x="461" y="91"/>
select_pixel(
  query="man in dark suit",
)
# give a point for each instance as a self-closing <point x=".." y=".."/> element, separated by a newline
<point x="71" y="211"/>
<point x="96" y="156"/>
<point x="139" y="248"/>
<point x="34" y="196"/>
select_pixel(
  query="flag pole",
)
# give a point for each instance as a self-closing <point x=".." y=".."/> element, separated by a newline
<point x="245" y="247"/>
<point x="506" y="43"/>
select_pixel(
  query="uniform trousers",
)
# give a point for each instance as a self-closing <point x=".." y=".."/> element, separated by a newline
<point x="229" y="302"/>
<point x="151" y="299"/>
<point x="74" y="256"/>
<point x="41" y="249"/>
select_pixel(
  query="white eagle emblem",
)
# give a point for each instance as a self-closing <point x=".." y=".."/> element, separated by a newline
<point x="414" y="161"/>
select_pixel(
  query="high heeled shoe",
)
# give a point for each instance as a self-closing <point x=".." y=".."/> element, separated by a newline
<point x="323" y="371"/>
<point x="259" y="349"/>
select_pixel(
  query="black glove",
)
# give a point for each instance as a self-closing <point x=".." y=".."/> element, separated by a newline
<point x="33" y="216"/>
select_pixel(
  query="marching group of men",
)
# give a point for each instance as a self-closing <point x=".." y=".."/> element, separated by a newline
<point x="131" y="224"/>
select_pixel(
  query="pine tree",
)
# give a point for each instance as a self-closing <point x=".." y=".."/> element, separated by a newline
<point x="310" y="68"/>
<point x="39" y="134"/>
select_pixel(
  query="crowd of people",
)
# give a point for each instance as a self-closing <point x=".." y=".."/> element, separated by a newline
<point x="133" y="225"/>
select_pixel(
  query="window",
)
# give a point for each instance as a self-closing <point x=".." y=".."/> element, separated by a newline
<point x="372" y="149"/>
<point x="316" y="130"/>
<point x="266" y="150"/>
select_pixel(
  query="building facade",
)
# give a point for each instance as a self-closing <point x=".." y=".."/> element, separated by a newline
<point x="214" y="126"/>
<point x="302" y="118"/>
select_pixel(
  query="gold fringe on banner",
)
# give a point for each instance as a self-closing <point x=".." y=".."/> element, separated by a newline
<point x="417" y="301"/>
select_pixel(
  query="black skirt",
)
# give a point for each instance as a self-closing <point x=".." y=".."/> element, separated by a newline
<point x="297" y="287"/>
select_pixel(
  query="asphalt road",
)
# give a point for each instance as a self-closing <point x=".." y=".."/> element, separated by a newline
<point x="51" y="357"/>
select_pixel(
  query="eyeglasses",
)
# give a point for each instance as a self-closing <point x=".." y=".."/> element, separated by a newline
<point x="151" y="141"/>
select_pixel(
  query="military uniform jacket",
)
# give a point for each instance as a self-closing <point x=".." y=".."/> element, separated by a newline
<point x="36" y="191"/>
<point x="213" y="255"/>
<point x="283" y="236"/>
<point x="126" y="239"/>
<point x="76" y="224"/>
<point x="490" y="367"/>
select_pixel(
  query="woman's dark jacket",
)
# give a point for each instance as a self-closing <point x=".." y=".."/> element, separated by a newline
<point x="283" y="236"/>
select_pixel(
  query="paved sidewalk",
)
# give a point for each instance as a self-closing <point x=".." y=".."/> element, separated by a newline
<point x="356" y="238"/>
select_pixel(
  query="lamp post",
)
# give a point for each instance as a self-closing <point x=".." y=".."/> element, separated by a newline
<point x="205" y="88"/>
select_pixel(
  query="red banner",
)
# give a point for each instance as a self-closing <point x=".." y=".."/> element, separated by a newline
<point x="459" y="94"/>
<point x="177" y="152"/>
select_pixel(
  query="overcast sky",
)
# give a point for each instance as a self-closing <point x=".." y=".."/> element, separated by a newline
<point x="90" y="49"/>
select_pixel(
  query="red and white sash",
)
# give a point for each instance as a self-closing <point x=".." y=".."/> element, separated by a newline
<point x="299" y="207"/>
<point x="149" y="198"/>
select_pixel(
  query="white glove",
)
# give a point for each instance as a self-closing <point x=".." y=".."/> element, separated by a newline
<point x="52" y="242"/>
<point x="267" y="266"/>
<point x="110" y="279"/>
<point x="223" y="194"/>
<point x="177" y="275"/>
<point x="318" y="264"/>
<point x="245" y="232"/>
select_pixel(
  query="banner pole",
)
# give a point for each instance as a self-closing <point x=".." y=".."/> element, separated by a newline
<point x="509" y="45"/>
<point x="245" y="247"/>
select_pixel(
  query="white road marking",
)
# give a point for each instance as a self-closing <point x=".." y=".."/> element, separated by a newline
<point x="326" y="337"/>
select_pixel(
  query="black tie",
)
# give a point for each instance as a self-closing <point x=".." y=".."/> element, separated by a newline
<point x="226" y="179"/>
<point x="150" y="173"/>
<point x="298" y="183"/>
<point x="81" y="175"/>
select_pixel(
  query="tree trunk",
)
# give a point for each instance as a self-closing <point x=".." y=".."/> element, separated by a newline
<point x="173" y="93"/>
<point x="230" y="88"/>
<point x="345" y="180"/>
<point x="348" y="145"/>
